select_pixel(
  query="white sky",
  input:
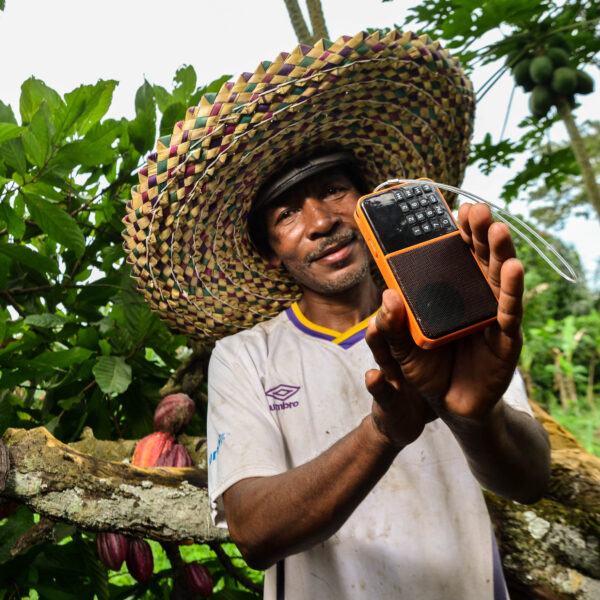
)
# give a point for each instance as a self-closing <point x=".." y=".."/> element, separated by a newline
<point x="70" y="42"/>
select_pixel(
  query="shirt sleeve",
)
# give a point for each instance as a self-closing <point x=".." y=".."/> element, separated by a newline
<point x="243" y="439"/>
<point x="516" y="395"/>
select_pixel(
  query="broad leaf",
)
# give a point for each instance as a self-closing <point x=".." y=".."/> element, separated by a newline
<point x="185" y="78"/>
<point x="144" y="100"/>
<point x="85" y="106"/>
<point x="46" y="320"/>
<point x="175" y="112"/>
<point x="62" y="358"/>
<point x="14" y="224"/>
<point x="34" y="260"/>
<point x="57" y="223"/>
<point x="33" y="92"/>
<point x="112" y="374"/>
<point x="37" y="137"/>
<point x="8" y="131"/>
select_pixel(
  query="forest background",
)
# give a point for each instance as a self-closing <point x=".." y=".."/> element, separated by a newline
<point x="80" y="349"/>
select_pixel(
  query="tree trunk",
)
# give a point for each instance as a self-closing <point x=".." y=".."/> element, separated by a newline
<point x="550" y="550"/>
<point x="298" y="22"/>
<point x="583" y="160"/>
<point x="317" y="20"/>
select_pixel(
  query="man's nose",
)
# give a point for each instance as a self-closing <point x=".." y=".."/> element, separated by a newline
<point x="321" y="220"/>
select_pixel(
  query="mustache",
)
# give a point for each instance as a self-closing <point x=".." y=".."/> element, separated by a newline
<point x="338" y="239"/>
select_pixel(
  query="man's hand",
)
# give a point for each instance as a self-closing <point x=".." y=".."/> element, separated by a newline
<point x="466" y="377"/>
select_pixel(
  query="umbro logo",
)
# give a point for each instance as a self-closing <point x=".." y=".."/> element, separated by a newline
<point x="280" y="394"/>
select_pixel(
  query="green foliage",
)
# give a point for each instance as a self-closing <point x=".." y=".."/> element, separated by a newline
<point x="533" y="38"/>
<point x="78" y="344"/>
<point x="561" y="351"/>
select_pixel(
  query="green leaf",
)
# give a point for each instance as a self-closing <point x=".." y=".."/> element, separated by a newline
<point x="94" y="149"/>
<point x="144" y="100"/>
<point x="14" y="224"/>
<point x="163" y="98"/>
<point x="57" y="223"/>
<point x="6" y="114"/>
<point x="33" y="92"/>
<point x="85" y="106"/>
<point x="37" y="137"/>
<point x="185" y="78"/>
<point x="34" y="260"/>
<point x="62" y="358"/>
<point x="8" y="131"/>
<point x="142" y="132"/>
<point x="46" y="320"/>
<point x="112" y="374"/>
<point x="13" y="155"/>
<point x="173" y="113"/>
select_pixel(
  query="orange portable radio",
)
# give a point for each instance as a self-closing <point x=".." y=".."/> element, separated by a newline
<point x="417" y="246"/>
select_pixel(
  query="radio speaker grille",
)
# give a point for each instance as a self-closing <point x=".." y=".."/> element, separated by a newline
<point x="444" y="286"/>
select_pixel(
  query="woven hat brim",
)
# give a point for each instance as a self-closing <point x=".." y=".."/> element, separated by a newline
<point x="399" y="102"/>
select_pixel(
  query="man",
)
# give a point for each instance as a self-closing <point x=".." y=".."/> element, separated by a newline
<point x="342" y="484"/>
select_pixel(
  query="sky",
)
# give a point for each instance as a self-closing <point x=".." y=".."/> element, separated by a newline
<point x="70" y="42"/>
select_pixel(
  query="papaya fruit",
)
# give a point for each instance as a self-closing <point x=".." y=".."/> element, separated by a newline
<point x="540" y="69"/>
<point x="558" y="57"/>
<point x="558" y="40"/>
<point x="585" y="84"/>
<point x="564" y="81"/>
<point x="521" y="74"/>
<point x="540" y="101"/>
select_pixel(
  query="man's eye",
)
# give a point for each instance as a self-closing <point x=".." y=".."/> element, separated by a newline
<point x="284" y="214"/>
<point x="335" y="190"/>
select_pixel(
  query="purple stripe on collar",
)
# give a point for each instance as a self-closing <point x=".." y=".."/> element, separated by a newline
<point x="357" y="337"/>
<point x="294" y="319"/>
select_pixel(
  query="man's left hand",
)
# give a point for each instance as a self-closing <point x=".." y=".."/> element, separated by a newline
<point x="468" y="376"/>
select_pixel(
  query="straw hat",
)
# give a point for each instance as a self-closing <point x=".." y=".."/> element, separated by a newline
<point x="397" y="101"/>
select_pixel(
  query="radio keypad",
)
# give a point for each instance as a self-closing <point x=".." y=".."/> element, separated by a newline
<point x="425" y="214"/>
<point x="408" y="215"/>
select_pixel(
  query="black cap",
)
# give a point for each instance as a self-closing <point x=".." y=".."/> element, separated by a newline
<point x="297" y="172"/>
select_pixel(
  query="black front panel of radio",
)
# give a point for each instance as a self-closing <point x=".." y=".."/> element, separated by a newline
<point x="407" y="215"/>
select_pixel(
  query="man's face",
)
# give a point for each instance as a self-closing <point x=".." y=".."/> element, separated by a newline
<point x="312" y="232"/>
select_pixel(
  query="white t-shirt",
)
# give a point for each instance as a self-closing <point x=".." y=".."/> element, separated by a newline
<point x="283" y="392"/>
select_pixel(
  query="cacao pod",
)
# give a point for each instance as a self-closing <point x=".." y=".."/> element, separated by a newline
<point x="140" y="562"/>
<point x="173" y="413"/>
<point x="176" y="456"/>
<point x="112" y="549"/>
<point x="149" y="448"/>
<point x="199" y="579"/>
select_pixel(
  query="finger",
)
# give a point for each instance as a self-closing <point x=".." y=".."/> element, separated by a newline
<point x="501" y="250"/>
<point x="381" y="389"/>
<point x="463" y="219"/>
<point x="479" y="221"/>
<point x="392" y="325"/>
<point x="510" y="300"/>
<point x="381" y="352"/>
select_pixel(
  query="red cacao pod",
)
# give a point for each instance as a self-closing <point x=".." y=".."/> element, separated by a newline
<point x="199" y="579"/>
<point x="173" y="413"/>
<point x="112" y="549"/>
<point x="140" y="562"/>
<point x="149" y="449"/>
<point x="176" y="456"/>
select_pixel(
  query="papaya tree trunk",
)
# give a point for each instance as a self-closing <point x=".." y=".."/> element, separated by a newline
<point x="583" y="160"/>
<point x="298" y="22"/>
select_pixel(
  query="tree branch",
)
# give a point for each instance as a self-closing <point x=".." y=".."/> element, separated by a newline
<point x="63" y="484"/>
